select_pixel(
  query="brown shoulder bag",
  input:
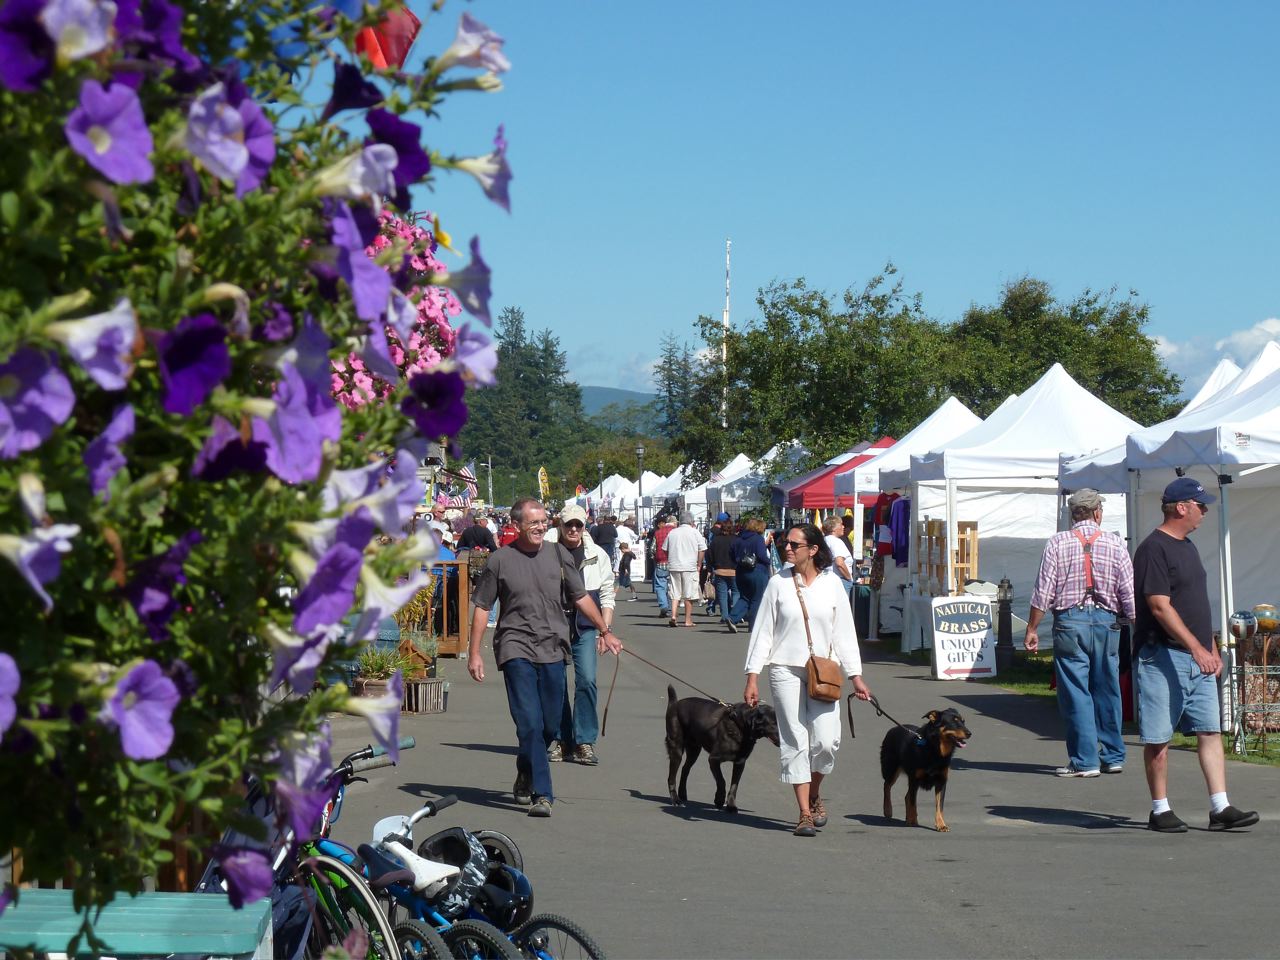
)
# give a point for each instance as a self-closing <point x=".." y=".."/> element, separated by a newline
<point x="824" y="674"/>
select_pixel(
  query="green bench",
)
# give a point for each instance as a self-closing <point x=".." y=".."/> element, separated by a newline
<point x="148" y="925"/>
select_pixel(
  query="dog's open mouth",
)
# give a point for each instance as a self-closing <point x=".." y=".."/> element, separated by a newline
<point x="960" y="742"/>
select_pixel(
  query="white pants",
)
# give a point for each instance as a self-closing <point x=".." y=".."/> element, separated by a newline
<point x="808" y="729"/>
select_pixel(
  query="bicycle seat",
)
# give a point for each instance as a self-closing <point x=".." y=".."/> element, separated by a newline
<point x="382" y="870"/>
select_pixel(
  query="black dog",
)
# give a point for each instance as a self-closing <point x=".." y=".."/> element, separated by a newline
<point x="924" y="754"/>
<point x="726" y="733"/>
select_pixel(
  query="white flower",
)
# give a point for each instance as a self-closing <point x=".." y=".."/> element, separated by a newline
<point x="31" y="492"/>
<point x="102" y="344"/>
<point x="367" y="175"/>
<point x="385" y="600"/>
<point x="79" y="28"/>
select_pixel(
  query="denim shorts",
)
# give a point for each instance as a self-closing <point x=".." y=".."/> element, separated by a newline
<point x="1173" y="694"/>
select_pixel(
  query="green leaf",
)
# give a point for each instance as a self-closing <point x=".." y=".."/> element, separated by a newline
<point x="10" y="209"/>
<point x="153" y="830"/>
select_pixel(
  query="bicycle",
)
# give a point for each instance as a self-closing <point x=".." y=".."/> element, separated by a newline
<point x="317" y="900"/>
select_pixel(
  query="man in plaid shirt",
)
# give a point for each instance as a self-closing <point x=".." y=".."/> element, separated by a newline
<point x="1086" y="580"/>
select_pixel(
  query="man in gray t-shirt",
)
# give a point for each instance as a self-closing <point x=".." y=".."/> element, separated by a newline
<point x="532" y="581"/>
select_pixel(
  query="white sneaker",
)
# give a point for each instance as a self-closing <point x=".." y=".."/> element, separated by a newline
<point x="1070" y="771"/>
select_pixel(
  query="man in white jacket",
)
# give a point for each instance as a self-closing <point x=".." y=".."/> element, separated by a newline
<point x="580" y="723"/>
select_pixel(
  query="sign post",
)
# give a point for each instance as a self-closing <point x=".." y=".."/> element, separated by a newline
<point x="964" y="644"/>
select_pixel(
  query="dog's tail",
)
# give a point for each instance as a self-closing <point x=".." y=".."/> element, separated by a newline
<point x="671" y="694"/>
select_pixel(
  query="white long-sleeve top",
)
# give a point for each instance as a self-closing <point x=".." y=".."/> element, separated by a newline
<point x="778" y="635"/>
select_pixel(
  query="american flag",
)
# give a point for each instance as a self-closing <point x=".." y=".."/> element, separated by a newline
<point x="467" y="476"/>
<point x="716" y="477"/>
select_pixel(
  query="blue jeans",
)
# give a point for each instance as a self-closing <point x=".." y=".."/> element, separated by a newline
<point x="661" y="582"/>
<point x="752" y="583"/>
<point x="579" y="723"/>
<point x="535" y="694"/>
<point x="1086" y="661"/>
<point x="727" y="597"/>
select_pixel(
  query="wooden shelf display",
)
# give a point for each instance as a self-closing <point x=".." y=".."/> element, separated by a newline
<point x="931" y="556"/>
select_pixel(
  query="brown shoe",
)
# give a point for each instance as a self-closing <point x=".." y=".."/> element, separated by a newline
<point x="805" y="827"/>
<point x="818" y="810"/>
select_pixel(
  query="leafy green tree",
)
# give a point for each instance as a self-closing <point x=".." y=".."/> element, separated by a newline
<point x="1098" y="338"/>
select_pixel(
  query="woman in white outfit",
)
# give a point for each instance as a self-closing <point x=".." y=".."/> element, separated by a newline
<point x="808" y="729"/>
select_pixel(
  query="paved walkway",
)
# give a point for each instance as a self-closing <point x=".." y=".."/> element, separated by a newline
<point x="1033" y="866"/>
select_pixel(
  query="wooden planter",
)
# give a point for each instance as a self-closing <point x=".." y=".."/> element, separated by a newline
<point x="424" y="696"/>
<point x="371" y="688"/>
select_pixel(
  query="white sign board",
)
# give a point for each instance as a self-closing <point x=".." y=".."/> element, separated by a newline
<point x="964" y="641"/>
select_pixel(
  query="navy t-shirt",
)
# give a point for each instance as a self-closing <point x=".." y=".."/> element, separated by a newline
<point x="1166" y="566"/>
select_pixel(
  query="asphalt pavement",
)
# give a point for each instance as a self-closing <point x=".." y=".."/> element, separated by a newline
<point x="1034" y="865"/>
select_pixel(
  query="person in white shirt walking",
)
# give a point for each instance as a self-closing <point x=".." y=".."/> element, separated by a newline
<point x="804" y="600"/>
<point x="841" y="556"/>
<point x="685" y="547"/>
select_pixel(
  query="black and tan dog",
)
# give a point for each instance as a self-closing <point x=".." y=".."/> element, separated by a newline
<point x="728" y="734"/>
<point x="924" y="755"/>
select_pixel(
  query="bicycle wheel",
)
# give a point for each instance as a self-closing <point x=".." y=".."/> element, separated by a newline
<point x="501" y="848"/>
<point x="343" y="903"/>
<point x="477" y="940"/>
<point x="548" y="936"/>
<point x="417" y="941"/>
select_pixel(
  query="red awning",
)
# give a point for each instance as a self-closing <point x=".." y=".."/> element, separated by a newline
<point x="816" y="490"/>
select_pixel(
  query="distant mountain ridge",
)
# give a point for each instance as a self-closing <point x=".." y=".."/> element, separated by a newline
<point x="595" y="399"/>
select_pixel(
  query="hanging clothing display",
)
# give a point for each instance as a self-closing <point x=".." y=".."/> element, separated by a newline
<point x="880" y="519"/>
<point x="900" y="527"/>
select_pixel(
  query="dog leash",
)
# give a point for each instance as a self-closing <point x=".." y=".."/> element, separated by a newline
<point x="881" y="712"/>
<point x="604" y="720"/>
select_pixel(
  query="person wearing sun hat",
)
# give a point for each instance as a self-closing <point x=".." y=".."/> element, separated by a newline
<point x="1086" y="580"/>
<point x="1175" y="661"/>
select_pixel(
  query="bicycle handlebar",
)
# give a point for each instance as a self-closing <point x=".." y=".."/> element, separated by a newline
<point x="370" y="763"/>
<point x="369" y="758"/>
<point x="432" y="807"/>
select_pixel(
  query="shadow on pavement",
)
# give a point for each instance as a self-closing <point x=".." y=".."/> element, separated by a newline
<point x="694" y="811"/>
<point x="1056" y="816"/>
<point x="960" y="763"/>
<point x="480" y="796"/>
<point x="875" y="820"/>
<point x="1040" y="718"/>
<point x="506" y="748"/>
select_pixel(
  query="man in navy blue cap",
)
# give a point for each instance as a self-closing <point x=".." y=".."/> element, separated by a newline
<point x="1175" y="662"/>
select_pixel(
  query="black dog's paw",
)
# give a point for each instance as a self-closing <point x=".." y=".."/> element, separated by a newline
<point x="731" y="808"/>
<point x="719" y="801"/>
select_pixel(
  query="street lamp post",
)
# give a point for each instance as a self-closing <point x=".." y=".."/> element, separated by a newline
<point x="640" y="487"/>
<point x="513" y="488"/>
<point x="1004" y="625"/>
<point x="600" y="471"/>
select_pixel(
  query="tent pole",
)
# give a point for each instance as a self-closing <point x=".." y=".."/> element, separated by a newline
<point x="950" y="588"/>
<point x="1227" y="684"/>
<point x="1131" y="510"/>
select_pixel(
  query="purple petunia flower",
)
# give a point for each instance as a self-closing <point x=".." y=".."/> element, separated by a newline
<point x="10" y="681"/>
<point x="435" y="403"/>
<point x="331" y="591"/>
<point x="351" y="91"/>
<point x="142" y="709"/>
<point x="383" y="714"/>
<point x="412" y="162"/>
<point x="150" y="588"/>
<point x="110" y="132"/>
<point x="277" y="324"/>
<point x="368" y="175"/>
<point x="303" y="419"/>
<point x="471" y="285"/>
<point x="259" y="140"/>
<point x="474" y="45"/>
<point x="492" y="172"/>
<point x="103" y="457"/>
<point x="302" y="808"/>
<point x="35" y="397"/>
<point x="38" y="555"/>
<point x="307" y="760"/>
<point x="154" y="28"/>
<point x="247" y="873"/>
<point x="26" y="52"/>
<point x="193" y="360"/>
<point x="402" y="315"/>
<point x="298" y="659"/>
<point x="226" y="451"/>
<point x="102" y="344"/>
<point x="78" y="28"/>
<point x="477" y="356"/>
<point x="215" y="134"/>
<point x="369" y="283"/>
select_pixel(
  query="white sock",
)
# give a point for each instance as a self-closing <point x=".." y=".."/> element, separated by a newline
<point x="1160" y="806"/>
<point x="1218" y="802"/>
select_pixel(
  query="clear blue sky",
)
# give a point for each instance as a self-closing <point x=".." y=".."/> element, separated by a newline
<point x="1089" y="144"/>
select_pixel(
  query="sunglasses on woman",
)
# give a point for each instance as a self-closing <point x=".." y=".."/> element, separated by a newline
<point x="796" y="544"/>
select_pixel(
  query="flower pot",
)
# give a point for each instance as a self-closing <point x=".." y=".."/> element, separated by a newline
<point x="371" y="688"/>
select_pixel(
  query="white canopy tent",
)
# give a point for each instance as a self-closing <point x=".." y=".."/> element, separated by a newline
<point x="950" y="420"/>
<point x="695" y="500"/>
<point x="1007" y="467"/>
<point x="1224" y="373"/>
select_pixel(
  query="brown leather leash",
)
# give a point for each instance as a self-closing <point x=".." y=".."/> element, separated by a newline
<point x="604" y="720"/>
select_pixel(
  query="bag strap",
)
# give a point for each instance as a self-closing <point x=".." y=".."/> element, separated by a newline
<point x="805" y="611"/>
